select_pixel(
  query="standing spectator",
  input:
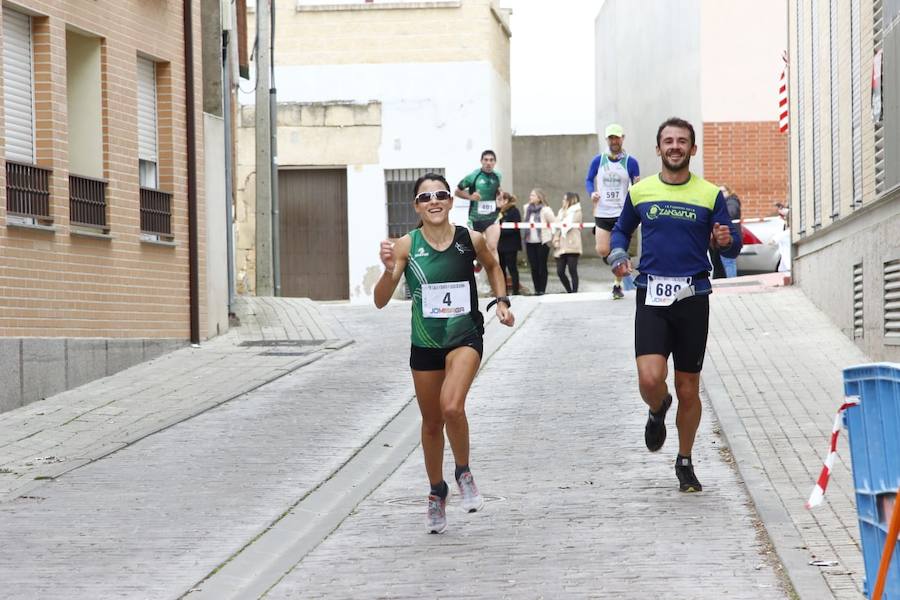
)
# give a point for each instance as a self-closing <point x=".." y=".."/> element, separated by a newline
<point x="537" y="241"/>
<point x="510" y="239"/>
<point x="567" y="241"/>
<point x="733" y="204"/>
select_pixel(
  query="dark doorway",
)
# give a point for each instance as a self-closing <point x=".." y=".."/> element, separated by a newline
<point x="313" y="227"/>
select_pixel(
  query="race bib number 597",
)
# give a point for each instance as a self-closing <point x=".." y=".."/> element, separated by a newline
<point x="663" y="291"/>
<point x="445" y="300"/>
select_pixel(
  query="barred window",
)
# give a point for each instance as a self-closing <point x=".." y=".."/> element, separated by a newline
<point x="398" y="185"/>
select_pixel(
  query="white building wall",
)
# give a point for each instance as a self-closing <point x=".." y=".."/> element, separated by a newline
<point x="648" y="69"/>
<point x="741" y="59"/>
<point x="432" y="115"/>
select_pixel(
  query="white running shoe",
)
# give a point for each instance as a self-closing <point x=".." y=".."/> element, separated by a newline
<point x="471" y="499"/>
<point x="437" y="514"/>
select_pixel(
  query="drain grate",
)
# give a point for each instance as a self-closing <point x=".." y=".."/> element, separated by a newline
<point x="281" y="343"/>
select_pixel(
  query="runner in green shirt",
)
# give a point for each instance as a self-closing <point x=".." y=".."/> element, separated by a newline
<point x="481" y="188"/>
<point x="447" y="328"/>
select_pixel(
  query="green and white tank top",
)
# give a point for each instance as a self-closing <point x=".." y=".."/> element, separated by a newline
<point x="612" y="182"/>
<point x="444" y="297"/>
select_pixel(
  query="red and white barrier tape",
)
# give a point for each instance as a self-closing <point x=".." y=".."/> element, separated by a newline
<point x="563" y="226"/>
<point x="818" y="492"/>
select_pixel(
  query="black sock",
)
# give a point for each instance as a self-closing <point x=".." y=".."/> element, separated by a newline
<point x="683" y="461"/>
<point x="460" y="469"/>
<point x="440" y="490"/>
<point x="662" y="409"/>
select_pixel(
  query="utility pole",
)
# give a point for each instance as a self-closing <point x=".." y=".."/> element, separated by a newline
<point x="273" y="124"/>
<point x="264" y="267"/>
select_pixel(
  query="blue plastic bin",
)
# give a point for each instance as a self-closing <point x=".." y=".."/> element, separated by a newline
<point x="873" y="429"/>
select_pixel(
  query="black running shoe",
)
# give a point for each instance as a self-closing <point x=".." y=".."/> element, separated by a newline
<point x="655" y="430"/>
<point x="687" y="481"/>
<point x="617" y="292"/>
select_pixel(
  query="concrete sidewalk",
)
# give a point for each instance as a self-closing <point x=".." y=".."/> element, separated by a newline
<point x="45" y="439"/>
<point x="774" y="377"/>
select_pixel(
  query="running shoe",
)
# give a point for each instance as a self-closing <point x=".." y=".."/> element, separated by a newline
<point x="687" y="481"/>
<point x="471" y="500"/>
<point x="655" y="430"/>
<point x="437" y="514"/>
<point x="478" y="267"/>
<point x="618" y="294"/>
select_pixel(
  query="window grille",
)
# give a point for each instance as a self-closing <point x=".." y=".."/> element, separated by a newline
<point x="87" y="201"/>
<point x="399" y="190"/>
<point x="156" y="212"/>
<point x="892" y="301"/>
<point x="878" y="39"/>
<point x="858" y="301"/>
<point x="28" y="190"/>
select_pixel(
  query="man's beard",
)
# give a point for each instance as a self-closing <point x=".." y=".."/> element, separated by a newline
<point x="683" y="164"/>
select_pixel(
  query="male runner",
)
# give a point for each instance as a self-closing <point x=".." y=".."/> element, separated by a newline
<point x="679" y="213"/>
<point x="481" y="188"/>
<point x="608" y="179"/>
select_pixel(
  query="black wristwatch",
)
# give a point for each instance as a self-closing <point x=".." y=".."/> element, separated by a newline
<point x="504" y="299"/>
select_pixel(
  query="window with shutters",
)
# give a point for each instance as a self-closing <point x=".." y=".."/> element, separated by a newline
<point x="816" y="66"/>
<point x="156" y="204"/>
<point x="856" y="104"/>
<point x="834" y="77"/>
<point x="147" y="121"/>
<point x="800" y="119"/>
<point x="18" y="87"/>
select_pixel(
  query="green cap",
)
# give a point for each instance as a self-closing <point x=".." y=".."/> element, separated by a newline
<point x="614" y="129"/>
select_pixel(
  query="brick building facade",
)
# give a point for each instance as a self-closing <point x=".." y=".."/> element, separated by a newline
<point x="94" y="230"/>
<point x="752" y="159"/>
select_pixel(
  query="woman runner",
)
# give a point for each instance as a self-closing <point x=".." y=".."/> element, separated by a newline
<point x="447" y="330"/>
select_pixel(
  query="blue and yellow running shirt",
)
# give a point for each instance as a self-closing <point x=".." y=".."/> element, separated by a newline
<point x="676" y="222"/>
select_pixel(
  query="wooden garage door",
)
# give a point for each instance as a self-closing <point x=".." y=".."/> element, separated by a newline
<point x="313" y="227"/>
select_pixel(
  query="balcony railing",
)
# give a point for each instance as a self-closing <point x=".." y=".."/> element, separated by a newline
<point x="87" y="201"/>
<point x="156" y="212"/>
<point x="28" y="190"/>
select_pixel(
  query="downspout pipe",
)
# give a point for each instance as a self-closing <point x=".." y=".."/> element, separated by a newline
<point x="193" y="237"/>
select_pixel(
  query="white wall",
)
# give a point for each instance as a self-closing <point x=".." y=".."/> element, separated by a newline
<point x="216" y="225"/>
<point x="648" y="69"/>
<point x="741" y="60"/>
<point x="439" y="115"/>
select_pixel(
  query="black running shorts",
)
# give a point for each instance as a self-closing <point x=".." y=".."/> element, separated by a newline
<point x="435" y="359"/>
<point x="679" y="330"/>
<point x="481" y="226"/>
<point x="605" y="223"/>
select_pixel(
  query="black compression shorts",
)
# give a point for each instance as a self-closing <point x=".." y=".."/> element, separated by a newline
<point x="435" y="359"/>
<point x="679" y="330"/>
<point x="481" y="226"/>
<point x="605" y="223"/>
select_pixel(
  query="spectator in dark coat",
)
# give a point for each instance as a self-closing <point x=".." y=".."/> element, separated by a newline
<point x="510" y="239"/>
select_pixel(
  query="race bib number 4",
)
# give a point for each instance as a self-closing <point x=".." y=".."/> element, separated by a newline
<point x="663" y="291"/>
<point x="486" y="207"/>
<point x="445" y="300"/>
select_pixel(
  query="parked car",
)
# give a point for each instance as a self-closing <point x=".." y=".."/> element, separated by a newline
<point x="760" y="253"/>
